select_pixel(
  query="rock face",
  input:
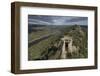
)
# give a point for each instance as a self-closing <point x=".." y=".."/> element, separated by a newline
<point x="74" y="43"/>
<point x="68" y="47"/>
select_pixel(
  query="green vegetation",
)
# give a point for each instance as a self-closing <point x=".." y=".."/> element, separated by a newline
<point x="38" y="34"/>
<point x="79" y="40"/>
<point x="50" y="48"/>
<point x="42" y="48"/>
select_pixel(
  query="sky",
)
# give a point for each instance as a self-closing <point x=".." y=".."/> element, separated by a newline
<point x="57" y="20"/>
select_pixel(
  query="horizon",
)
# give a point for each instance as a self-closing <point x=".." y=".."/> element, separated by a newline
<point x="57" y="20"/>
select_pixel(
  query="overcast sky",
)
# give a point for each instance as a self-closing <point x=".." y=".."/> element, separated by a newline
<point x="57" y="20"/>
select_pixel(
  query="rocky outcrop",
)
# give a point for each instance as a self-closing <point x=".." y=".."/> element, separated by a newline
<point x="74" y="43"/>
<point x="68" y="47"/>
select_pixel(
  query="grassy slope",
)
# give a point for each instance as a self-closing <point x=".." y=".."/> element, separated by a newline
<point x="42" y="47"/>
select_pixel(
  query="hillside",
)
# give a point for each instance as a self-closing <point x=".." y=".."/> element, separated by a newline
<point x="46" y="42"/>
<point x="79" y="36"/>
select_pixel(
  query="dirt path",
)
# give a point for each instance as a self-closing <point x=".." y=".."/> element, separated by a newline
<point x="63" y="54"/>
<point x="67" y="44"/>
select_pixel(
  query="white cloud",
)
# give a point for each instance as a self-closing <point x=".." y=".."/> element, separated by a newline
<point x="35" y="21"/>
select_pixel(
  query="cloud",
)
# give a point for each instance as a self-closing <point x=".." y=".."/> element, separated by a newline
<point x="57" y="20"/>
<point x="35" y="21"/>
<point x="76" y="19"/>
